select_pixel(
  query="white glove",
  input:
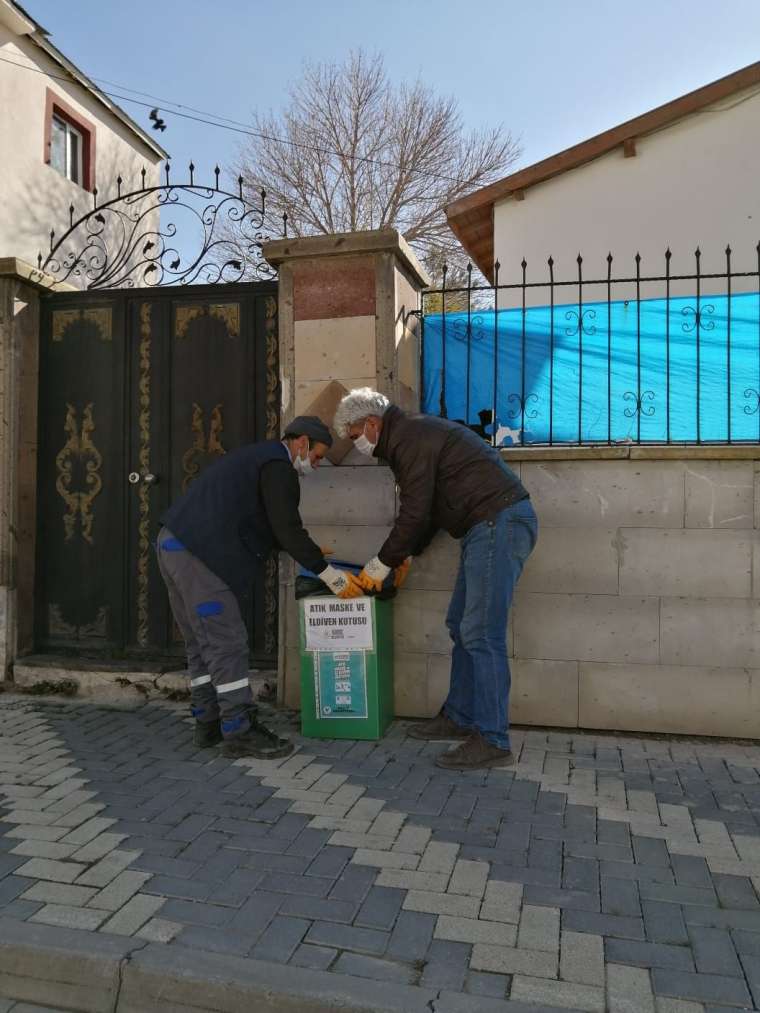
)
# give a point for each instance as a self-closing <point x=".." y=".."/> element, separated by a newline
<point x="374" y="573"/>
<point x="341" y="583"/>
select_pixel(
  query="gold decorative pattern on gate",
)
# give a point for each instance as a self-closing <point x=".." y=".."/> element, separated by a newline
<point x="59" y="629"/>
<point x="191" y="464"/>
<point x="228" y="313"/>
<point x="270" y="605"/>
<point x="99" y="316"/>
<point x="78" y="447"/>
<point x="143" y="526"/>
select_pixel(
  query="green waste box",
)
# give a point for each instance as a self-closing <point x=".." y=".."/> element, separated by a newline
<point x="346" y="667"/>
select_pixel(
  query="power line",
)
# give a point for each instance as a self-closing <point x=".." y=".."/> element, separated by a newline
<point x="223" y="123"/>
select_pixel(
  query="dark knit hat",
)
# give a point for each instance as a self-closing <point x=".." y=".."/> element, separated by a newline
<point x="311" y="426"/>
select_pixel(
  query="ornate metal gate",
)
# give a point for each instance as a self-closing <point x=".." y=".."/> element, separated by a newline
<point x="140" y="389"/>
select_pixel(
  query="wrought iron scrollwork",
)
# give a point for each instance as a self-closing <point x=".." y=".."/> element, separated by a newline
<point x="639" y="406"/>
<point x="751" y="394"/>
<point x="580" y="322"/>
<point x="522" y="406"/>
<point x="696" y="318"/>
<point x="131" y="241"/>
<point x="466" y="330"/>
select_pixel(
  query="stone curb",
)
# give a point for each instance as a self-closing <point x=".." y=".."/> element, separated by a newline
<point x="99" y="973"/>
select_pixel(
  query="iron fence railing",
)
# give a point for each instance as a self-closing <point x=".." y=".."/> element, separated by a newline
<point x="634" y="358"/>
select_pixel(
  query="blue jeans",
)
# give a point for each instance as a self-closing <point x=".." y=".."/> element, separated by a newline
<point x="492" y="558"/>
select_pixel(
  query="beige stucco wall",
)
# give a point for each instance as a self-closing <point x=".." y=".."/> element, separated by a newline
<point x="639" y="609"/>
<point x="692" y="184"/>
<point x="35" y="197"/>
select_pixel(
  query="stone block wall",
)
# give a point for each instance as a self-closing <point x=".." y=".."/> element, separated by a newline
<point x="639" y="609"/>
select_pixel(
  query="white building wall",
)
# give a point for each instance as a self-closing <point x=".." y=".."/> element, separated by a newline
<point x="34" y="196"/>
<point x="695" y="183"/>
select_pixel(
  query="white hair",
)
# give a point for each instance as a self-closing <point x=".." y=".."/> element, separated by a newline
<point x="357" y="405"/>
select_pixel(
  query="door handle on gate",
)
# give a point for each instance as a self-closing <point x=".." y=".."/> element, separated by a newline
<point x="149" y="478"/>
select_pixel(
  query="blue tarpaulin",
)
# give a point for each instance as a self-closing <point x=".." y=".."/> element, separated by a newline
<point x="635" y="371"/>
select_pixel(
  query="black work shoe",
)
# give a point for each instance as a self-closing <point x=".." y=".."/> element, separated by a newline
<point x="440" y="729"/>
<point x="207" y="734"/>
<point x="257" y="742"/>
<point x="475" y="753"/>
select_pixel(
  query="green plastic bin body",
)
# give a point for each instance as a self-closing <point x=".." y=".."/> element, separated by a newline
<point x="346" y="688"/>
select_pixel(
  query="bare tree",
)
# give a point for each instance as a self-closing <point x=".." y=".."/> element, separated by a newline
<point x="352" y="150"/>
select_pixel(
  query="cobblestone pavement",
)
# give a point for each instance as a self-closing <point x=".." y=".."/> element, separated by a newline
<point x="600" y="872"/>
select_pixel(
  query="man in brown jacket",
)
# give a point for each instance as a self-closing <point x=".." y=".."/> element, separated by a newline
<point x="450" y="479"/>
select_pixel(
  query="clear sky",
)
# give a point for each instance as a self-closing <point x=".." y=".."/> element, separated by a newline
<point x="552" y="71"/>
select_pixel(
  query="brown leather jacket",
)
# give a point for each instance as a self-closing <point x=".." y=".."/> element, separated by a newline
<point x="448" y="478"/>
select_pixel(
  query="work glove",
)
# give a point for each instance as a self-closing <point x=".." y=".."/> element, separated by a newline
<point x="372" y="576"/>
<point x="401" y="572"/>
<point x="341" y="583"/>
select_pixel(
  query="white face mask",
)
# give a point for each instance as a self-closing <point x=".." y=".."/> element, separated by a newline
<point x="303" y="465"/>
<point x="363" y="445"/>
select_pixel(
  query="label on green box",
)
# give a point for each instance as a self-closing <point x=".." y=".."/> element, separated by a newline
<point x="341" y="684"/>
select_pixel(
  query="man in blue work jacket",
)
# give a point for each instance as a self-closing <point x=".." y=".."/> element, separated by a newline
<point x="213" y="539"/>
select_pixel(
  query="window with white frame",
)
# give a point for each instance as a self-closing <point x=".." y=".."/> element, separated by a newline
<point x="66" y="149"/>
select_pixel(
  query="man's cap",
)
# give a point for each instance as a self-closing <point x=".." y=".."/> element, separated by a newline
<point x="311" y="426"/>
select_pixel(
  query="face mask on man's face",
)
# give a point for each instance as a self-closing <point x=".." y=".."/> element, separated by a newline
<point x="363" y="445"/>
<point x="303" y="465"/>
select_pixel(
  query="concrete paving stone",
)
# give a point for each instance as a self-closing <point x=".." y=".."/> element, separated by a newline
<point x="330" y="862"/>
<point x="159" y="930"/>
<point x="380" y="908"/>
<point x="666" y="1005"/>
<point x="714" y="951"/>
<point x="59" y="893"/>
<point x="269" y="862"/>
<point x="235" y="890"/>
<point x="87" y="831"/>
<point x="481" y="983"/>
<point x="413" y="840"/>
<point x="628" y="951"/>
<point x="36" y="833"/>
<point x="642" y="873"/>
<point x="99" y="847"/>
<point x="580" y="874"/>
<point x="108" y="868"/>
<point x="166" y="866"/>
<point x="650" y="851"/>
<point x="348" y="937"/>
<point x="119" y="890"/>
<point x="469" y="878"/>
<point x="736" y="892"/>
<point x="438" y="857"/>
<point x="563" y="994"/>
<point x="318" y="908"/>
<point x="435" y="882"/>
<point x="317" y="958"/>
<point x="617" y="926"/>
<point x="372" y="967"/>
<point x="752" y="972"/>
<point x="446" y="965"/>
<point x="12" y="887"/>
<point x="472" y="930"/>
<point x="721" y="918"/>
<point x="514" y="873"/>
<point x="353" y="884"/>
<point x="280" y="939"/>
<point x="502" y="902"/>
<point x="684" y="895"/>
<point x="303" y="886"/>
<point x="747" y="943"/>
<point x="66" y="917"/>
<point x="213" y="939"/>
<point x="690" y="870"/>
<point x="49" y="868"/>
<point x="510" y="960"/>
<point x="621" y="897"/>
<point x="582" y="958"/>
<point x="664" y="923"/>
<point x="442" y="904"/>
<point x="81" y="816"/>
<point x="411" y="936"/>
<point x="181" y="889"/>
<point x="539" y="928"/>
<point x="385" y="859"/>
<point x="705" y="988"/>
<point x="134" y="914"/>
<point x="602" y="852"/>
<point x="545" y="896"/>
<point x="629" y="990"/>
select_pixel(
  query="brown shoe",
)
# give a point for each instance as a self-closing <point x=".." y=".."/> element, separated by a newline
<point x="440" y="729"/>
<point x="476" y="753"/>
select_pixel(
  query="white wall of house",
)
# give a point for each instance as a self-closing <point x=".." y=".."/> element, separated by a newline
<point x="35" y="196"/>
<point x="694" y="183"/>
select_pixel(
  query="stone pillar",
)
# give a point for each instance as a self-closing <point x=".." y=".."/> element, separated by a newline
<point x="20" y="286"/>
<point x="348" y="317"/>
